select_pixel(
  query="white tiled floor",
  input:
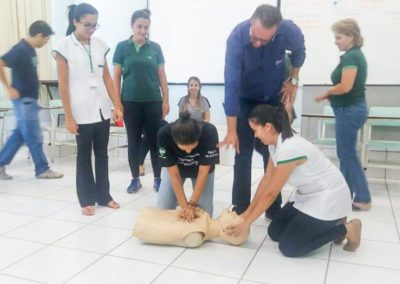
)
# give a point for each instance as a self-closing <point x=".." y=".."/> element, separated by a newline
<point x="45" y="239"/>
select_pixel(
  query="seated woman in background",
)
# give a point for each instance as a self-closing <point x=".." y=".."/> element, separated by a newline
<point x="194" y="102"/>
<point x="316" y="214"/>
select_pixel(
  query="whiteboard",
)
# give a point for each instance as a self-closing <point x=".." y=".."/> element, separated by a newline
<point x="379" y="21"/>
<point x="193" y="34"/>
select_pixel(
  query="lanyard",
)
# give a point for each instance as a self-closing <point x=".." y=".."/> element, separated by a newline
<point x="89" y="53"/>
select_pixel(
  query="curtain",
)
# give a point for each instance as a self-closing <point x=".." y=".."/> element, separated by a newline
<point x="15" y="19"/>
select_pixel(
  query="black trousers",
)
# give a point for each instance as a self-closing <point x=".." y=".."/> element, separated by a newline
<point x="142" y="117"/>
<point x="299" y="233"/>
<point x="241" y="191"/>
<point x="93" y="187"/>
<point x="144" y="145"/>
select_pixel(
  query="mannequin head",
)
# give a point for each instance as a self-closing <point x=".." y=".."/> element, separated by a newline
<point x="229" y="218"/>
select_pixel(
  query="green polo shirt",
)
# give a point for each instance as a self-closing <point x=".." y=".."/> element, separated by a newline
<point x="355" y="59"/>
<point x="141" y="82"/>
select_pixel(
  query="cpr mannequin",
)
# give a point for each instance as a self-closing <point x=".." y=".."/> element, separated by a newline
<point x="159" y="226"/>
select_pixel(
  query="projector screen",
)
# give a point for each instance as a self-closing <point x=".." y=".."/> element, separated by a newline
<point x="193" y="34"/>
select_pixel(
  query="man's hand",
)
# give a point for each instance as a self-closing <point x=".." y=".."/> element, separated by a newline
<point x="13" y="94"/>
<point x="231" y="138"/>
<point x="288" y="93"/>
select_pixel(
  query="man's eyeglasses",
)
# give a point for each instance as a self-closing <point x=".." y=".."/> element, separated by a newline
<point x="90" y="26"/>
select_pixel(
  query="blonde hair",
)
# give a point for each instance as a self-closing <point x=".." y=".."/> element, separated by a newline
<point x="349" y="27"/>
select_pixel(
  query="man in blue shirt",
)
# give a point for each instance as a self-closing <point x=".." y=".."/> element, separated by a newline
<point x="24" y="92"/>
<point x="254" y="75"/>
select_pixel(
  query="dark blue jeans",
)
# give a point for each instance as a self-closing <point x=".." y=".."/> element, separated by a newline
<point x="241" y="191"/>
<point x="26" y="111"/>
<point x="348" y="121"/>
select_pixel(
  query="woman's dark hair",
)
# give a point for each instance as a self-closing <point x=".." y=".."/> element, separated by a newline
<point x="185" y="130"/>
<point x="76" y="12"/>
<point x="144" y="13"/>
<point x="277" y="116"/>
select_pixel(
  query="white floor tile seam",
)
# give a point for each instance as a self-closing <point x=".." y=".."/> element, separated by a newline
<point x="42" y="216"/>
<point x="4" y="234"/>
<point x="106" y="226"/>
<point x="252" y="259"/>
<point x="328" y="262"/>
<point x="26" y="279"/>
<point x="365" y="265"/>
<point x="168" y="266"/>
<point x="46" y="244"/>
<point x="32" y="196"/>
<point x="206" y="272"/>
<point x="397" y="222"/>
<point x="83" y="269"/>
<point x="26" y="256"/>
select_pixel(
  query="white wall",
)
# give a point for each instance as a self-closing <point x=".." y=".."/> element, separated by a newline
<point x="193" y="34"/>
<point x="114" y="20"/>
<point x="379" y="21"/>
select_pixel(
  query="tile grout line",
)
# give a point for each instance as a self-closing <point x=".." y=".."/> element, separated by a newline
<point x="328" y="262"/>
<point x="391" y="205"/>
<point x="252" y="259"/>
<point x="168" y="266"/>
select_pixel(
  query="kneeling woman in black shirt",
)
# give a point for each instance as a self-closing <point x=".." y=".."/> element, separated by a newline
<point x="187" y="149"/>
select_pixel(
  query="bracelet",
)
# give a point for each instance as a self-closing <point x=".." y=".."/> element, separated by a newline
<point x="192" y="203"/>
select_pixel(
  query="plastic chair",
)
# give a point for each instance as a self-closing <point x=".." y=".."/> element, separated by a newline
<point x="323" y="139"/>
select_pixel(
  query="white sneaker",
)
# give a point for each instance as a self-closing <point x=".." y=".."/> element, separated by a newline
<point x="50" y="174"/>
<point x="3" y="174"/>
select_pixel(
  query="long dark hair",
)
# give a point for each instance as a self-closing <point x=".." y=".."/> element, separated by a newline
<point x="277" y="116"/>
<point x="185" y="130"/>
<point x="76" y="12"/>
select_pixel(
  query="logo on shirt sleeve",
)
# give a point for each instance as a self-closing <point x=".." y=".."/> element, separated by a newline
<point x="162" y="151"/>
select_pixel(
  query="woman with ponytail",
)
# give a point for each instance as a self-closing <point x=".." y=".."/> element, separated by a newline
<point x="317" y="213"/>
<point x="86" y="91"/>
<point x="139" y="62"/>
<point x="187" y="149"/>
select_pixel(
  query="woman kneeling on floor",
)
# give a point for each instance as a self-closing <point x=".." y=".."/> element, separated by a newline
<point x="316" y="214"/>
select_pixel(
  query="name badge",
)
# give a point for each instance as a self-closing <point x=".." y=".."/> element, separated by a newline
<point x="92" y="81"/>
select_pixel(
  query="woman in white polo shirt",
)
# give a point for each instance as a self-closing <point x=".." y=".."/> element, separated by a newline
<point x="317" y="212"/>
<point x="85" y="86"/>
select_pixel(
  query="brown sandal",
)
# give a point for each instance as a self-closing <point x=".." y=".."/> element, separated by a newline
<point x="353" y="235"/>
<point x="112" y="204"/>
<point x="88" y="210"/>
